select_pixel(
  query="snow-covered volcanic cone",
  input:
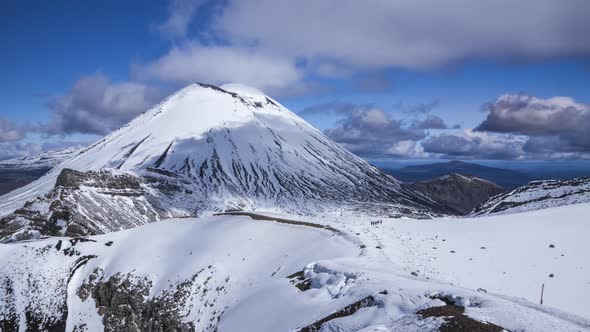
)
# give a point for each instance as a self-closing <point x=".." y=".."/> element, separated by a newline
<point x="203" y="149"/>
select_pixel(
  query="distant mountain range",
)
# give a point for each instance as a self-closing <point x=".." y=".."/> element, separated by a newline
<point x="18" y="172"/>
<point x="506" y="178"/>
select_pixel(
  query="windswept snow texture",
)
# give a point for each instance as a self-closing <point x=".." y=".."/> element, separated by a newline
<point x="237" y="149"/>
<point x="230" y="273"/>
<point x="538" y="195"/>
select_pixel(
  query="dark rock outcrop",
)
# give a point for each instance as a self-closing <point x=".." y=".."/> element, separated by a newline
<point x="460" y="193"/>
<point x="90" y="203"/>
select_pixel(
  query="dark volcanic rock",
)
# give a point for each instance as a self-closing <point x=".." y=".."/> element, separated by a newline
<point x="458" y="192"/>
<point x="124" y="302"/>
<point x="90" y="203"/>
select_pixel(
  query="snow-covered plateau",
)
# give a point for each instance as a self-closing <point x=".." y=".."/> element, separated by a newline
<point x="236" y="273"/>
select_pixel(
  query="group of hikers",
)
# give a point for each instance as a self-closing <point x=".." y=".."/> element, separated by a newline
<point x="377" y="222"/>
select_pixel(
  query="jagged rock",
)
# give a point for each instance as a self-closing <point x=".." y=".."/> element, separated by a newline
<point x="89" y="203"/>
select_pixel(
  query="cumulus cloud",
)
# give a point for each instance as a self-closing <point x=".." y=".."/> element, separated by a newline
<point x="95" y="105"/>
<point x="406" y="33"/>
<point x="475" y="145"/>
<point x="370" y="131"/>
<point x="222" y="64"/>
<point x="10" y="132"/>
<point x="555" y="125"/>
<point x="19" y="149"/>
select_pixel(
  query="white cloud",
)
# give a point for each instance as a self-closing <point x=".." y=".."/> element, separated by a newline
<point x="406" y="149"/>
<point x="19" y="149"/>
<point x="408" y="33"/>
<point x="558" y="124"/>
<point x="279" y="45"/>
<point x="220" y="64"/>
<point x="10" y="132"/>
<point x="370" y="131"/>
<point x="95" y="105"/>
<point x="477" y="145"/>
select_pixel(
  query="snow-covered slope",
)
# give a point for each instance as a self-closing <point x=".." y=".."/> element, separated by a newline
<point x="47" y="159"/>
<point x="226" y="148"/>
<point x="230" y="273"/>
<point x="196" y="268"/>
<point x="538" y="195"/>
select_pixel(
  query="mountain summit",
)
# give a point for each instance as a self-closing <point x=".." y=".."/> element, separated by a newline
<point x="205" y="149"/>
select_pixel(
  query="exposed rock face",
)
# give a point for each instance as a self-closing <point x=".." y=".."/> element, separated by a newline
<point x="538" y="195"/>
<point x="92" y="203"/>
<point x="124" y="303"/>
<point x="23" y="292"/>
<point x="460" y="193"/>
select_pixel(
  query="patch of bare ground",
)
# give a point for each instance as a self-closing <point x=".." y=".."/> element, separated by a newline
<point x="456" y="320"/>
<point x="255" y="216"/>
<point x="298" y="280"/>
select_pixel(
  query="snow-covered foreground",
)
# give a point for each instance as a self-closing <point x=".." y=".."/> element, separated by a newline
<point x="237" y="258"/>
<point x="233" y="273"/>
<point x="510" y="254"/>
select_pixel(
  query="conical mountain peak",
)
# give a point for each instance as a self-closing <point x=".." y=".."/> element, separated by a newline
<point x="235" y="146"/>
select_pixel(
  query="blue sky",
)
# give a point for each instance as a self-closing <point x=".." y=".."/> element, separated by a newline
<point x="418" y="82"/>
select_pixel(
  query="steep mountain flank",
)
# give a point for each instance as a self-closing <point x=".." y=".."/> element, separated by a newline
<point x="207" y="149"/>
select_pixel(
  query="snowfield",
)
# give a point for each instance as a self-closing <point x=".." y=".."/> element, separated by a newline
<point x="235" y="273"/>
<point x="509" y="254"/>
<point x="310" y="257"/>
